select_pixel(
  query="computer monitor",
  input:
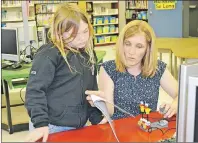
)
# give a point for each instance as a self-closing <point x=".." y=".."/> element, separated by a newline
<point x="192" y="110"/>
<point x="185" y="96"/>
<point x="9" y="44"/>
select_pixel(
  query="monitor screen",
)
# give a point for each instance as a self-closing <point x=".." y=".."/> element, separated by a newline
<point x="191" y="115"/>
<point x="196" y="118"/>
<point x="9" y="44"/>
<point x="187" y="102"/>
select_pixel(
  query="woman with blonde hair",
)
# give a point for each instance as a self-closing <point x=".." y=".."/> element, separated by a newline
<point x="61" y="72"/>
<point x="136" y="75"/>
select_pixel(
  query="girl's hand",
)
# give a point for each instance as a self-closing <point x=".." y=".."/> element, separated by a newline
<point x="97" y="93"/>
<point x="37" y="134"/>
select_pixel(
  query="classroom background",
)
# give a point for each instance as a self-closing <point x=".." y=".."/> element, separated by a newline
<point x="175" y="25"/>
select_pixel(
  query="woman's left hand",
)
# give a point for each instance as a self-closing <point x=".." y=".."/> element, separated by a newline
<point x="169" y="109"/>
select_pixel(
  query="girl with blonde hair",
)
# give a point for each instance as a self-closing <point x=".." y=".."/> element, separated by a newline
<point x="136" y="75"/>
<point x="61" y="72"/>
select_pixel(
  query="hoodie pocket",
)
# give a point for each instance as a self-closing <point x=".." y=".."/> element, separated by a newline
<point x="57" y="118"/>
<point x="72" y="116"/>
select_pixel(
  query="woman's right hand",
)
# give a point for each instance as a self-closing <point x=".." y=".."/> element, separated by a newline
<point x="37" y="134"/>
<point x="91" y="92"/>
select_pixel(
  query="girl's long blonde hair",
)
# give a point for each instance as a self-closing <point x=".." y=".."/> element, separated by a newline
<point x="149" y="61"/>
<point x="67" y="17"/>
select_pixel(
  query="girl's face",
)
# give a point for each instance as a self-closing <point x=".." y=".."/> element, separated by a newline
<point x="135" y="49"/>
<point x="81" y="37"/>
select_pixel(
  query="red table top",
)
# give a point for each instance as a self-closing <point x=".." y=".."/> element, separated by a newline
<point x="127" y="130"/>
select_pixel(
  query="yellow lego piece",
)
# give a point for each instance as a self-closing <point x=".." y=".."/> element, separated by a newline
<point x="139" y="123"/>
<point x="147" y="110"/>
<point x="144" y="126"/>
<point x="141" y="108"/>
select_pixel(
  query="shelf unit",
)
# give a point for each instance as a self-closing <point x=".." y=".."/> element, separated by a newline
<point x="136" y="10"/>
<point x="104" y="17"/>
<point x="12" y="9"/>
<point x="99" y="2"/>
<point x="17" y="20"/>
<point x="107" y="14"/>
<point x="13" y="6"/>
<point x="102" y="44"/>
<point x="105" y="24"/>
<point x="89" y="10"/>
<point x="44" y="12"/>
<point x="106" y="33"/>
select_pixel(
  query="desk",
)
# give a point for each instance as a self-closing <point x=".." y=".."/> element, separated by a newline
<point x="165" y="45"/>
<point x="127" y="130"/>
<point x="182" y="48"/>
<point x="8" y="75"/>
<point x="187" y="48"/>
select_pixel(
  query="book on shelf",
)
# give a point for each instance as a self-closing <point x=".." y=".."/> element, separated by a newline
<point x="132" y="14"/>
<point x="105" y="21"/>
<point x="44" y="19"/>
<point x="14" y="3"/>
<point x="137" y="4"/>
<point x="11" y="3"/>
<point x="89" y="6"/>
<point x="54" y="1"/>
<point x="105" y="35"/>
<point x="104" y="2"/>
<point x="109" y="39"/>
<point x="136" y="9"/>
<point x="42" y="8"/>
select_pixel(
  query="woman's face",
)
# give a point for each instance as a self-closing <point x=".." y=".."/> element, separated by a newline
<point x="80" y="38"/>
<point x="134" y="49"/>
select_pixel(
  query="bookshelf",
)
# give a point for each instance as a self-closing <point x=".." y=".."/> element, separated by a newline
<point x="136" y="9"/>
<point x="12" y="12"/>
<point x="89" y="10"/>
<point x="44" y="12"/>
<point x="104" y="18"/>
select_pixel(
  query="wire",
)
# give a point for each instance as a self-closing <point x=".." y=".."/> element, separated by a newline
<point x="159" y="119"/>
<point x="170" y="120"/>
<point x="151" y="129"/>
<point x="163" y="132"/>
<point x="23" y="51"/>
<point x="169" y="130"/>
<point x="21" y="94"/>
<point x="155" y="118"/>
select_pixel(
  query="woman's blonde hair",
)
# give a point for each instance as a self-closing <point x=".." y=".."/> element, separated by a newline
<point x="67" y="17"/>
<point x="149" y="61"/>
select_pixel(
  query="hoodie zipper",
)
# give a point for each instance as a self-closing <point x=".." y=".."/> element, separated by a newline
<point x="82" y="83"/>
<point x="82" y="91"/>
